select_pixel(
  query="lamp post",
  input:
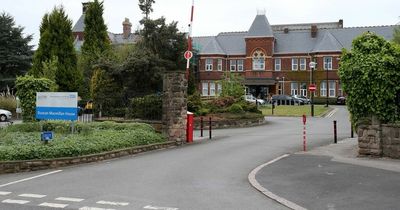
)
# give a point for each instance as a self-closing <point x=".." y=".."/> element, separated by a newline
<point x="312" y="67"/>
<point x="283" y="85"/>
<point x="327" y="88"/>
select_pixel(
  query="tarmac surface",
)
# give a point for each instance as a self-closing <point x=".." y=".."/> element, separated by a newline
<point x="331" y="177"/>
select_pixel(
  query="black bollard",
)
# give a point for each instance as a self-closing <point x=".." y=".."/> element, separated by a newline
<point x="335" y="131"/>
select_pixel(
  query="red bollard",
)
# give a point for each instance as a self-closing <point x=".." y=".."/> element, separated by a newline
<point x="189" y="128"/>
<point x="304" y="133"/>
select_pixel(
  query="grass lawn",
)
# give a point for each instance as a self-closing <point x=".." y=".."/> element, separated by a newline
<point x="295" y="111"/>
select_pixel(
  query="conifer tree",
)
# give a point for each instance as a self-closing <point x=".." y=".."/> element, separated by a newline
<point x="57" y="43"/>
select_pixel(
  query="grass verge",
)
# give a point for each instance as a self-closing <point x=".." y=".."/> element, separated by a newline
<point x="294" y="111"/>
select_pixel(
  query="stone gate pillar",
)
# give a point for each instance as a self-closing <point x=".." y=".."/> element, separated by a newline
<point x="174" y="106"/>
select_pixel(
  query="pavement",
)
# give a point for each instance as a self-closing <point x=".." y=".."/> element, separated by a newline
<point x="330" y="177"/>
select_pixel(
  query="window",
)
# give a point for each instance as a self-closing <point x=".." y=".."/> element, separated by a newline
<point x="323" y="88"/>
<point x="303" y="89"/>
<point x="204" y="89"/>
<point x="280" y="89"/>
<point x="295" y="64"/>
<point x="232" y="65"/>
<point x="209" y="64"/>
<point x="219" y="89"/>
<point x="340" y="91"/>
<point x="277" y="64"/>
<point x="332" y="88"/>
<point x="240" y="65"/>
<point x="212" y="89"/>
<point x="219" y="67"/>
<point x="294" y="88"/>
<point x="258" y="60"/>
<point x="302" y="64"/>
<point x="327" y="63"/>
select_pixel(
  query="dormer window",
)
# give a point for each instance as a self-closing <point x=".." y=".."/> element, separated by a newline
<point x="258" y="60"/>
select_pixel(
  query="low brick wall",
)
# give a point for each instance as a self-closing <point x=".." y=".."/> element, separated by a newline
<point x="34" y="165"/>
<point x="381" y="140"/>
<point x="230" y="123"/>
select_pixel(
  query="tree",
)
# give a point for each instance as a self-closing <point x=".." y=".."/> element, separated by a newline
<point x="146" y="7"/>
<point x="232" y="85"/>
<point x="57" y="44"/>
<point x="15" y="51"/>
<point x="396" y="35"/>
<point x="370" y="76"/>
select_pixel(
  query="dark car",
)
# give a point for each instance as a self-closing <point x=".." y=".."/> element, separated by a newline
<point x="286" y="100"/>
<point x="303" y="98"/>
<point x="341" y="100"/>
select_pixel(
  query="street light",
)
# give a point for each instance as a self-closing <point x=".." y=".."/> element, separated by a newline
<point x="327" y="88"/>
<point x="312" y="67"/>
<point x="283" y="85"/>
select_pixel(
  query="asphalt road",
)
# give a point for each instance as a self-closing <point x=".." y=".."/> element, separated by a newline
<point x="209" y="174"/>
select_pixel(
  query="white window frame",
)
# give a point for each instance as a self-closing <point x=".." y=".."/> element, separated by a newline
<point x="204" y="86"/>
<point x="323" y="89"/>
<point x="328" y="63"/>
<point x="232" y="65"/>
<point x="219" y="66"/>
<point x="303" y="89"/>
<point x="340" y="90"/>
<point x="332" y="88"/>
<point x="279" y="89"/>
<point x="258" y="61"/>
<point x="303" y="65"/>
<point x="278" y="62"/>
<point x="294" y="88"/>
<point x="295" y="64"/>
<point x="212" y="88"/>
<point x="219" y="89"/>
<point x="209" y="64"/>
<point x="240" y="64"/>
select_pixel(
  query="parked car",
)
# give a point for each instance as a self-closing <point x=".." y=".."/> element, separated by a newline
<point x="341" y="100"/>
<point x="303" y="98"/>
<point x="286" y="100"/>
<point x="252" y="99"/>
<point x="5" y="115"/>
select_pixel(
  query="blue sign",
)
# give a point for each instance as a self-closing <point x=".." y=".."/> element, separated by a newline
<point x="47" y="135"/>
<point x="56" y="113"/>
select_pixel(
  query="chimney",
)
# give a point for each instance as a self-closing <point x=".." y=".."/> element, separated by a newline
<point x="127" y="26"/>
<point x="314" y="31"/>
<point x="286" y="30"/>
<point x="341" y="23"/>
<point x="85" y="5"/>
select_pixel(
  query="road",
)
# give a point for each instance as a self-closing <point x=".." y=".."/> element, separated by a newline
<point x="210" y="174"/>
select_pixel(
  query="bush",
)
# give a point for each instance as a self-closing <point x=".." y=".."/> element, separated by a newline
<point x="91" y="138"/>
<point x="8" y="103"/>
<point x="194" y="102"/>
<point x="235" y="108"/>
<point x="148" y="107"/>
<point x="223" y="102"/>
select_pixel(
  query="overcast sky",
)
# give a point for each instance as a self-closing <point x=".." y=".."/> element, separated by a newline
<point x="214" y="16"/>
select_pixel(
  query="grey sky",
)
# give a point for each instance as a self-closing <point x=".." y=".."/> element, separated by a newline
<point x="214" y="16"/>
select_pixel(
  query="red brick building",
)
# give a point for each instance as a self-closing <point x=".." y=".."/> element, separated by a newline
<point x="274" y="59"/>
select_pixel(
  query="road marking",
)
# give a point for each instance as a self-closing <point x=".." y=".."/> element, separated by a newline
<point x="159" y="208"/>
<point x="69" y="199"/>
<point x="32" y="196"/>
<point x="112" y="203"/>
<point x="259" y="187"/>
<point x="54" y="205"/>
<point x="30" y="178"/>
<point x="4" y="193"/>
<point x="15" y="201"/>
<point x="93" y="208"/>
<point x="332" y="113"/>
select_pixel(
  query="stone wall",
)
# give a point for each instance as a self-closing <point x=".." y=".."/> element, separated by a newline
<point x="174" y="106"/>
<point x="381" y="140"/>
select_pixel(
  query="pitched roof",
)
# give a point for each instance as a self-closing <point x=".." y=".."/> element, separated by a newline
<point x="260" y="27"/>
<point x="80" y="24"/>
<point x="213" y="46"/>
<point x="328" y="43"/>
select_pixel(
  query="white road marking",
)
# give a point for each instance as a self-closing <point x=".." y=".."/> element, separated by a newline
<point x="332" y="113"/>
<point x="112" y="203"/>
<point x="69" y="199"/>
<point x="93" y="208"/>
<point x="30" y="178"/>
<point x="159" y="208"/>
<point x="32" y="196"/>
<point x="54" y="205"/>
<point x="4" y="193"/>
<point x="15" y="201"/>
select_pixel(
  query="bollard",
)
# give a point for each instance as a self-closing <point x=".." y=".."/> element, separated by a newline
<point x="201" y="126"/>
<point x="210" y="128"/>
<point x="352" y="132"/>
<point x="334" y="132"/>
<point x="273" y="107"/>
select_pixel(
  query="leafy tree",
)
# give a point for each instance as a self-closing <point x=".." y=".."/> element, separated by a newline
<point x="370" y="75"/>
<point x="232" y="85"/>
<point x="15" y="51"/>
<point x="396" y="35"/>
<point x="56" y="44"/>
<point x="146" y="7"/>
<point x="27" y="86"/>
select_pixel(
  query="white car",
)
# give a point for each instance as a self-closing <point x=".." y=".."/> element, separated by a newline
<point x="5" y="115"/>
<point x="252" y="99"/>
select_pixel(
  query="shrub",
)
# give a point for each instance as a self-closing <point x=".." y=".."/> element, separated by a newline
<point x="202" y="112"/>
<point x="148" y="107"/>
<point x="8" y="103"/>
<point x="235" y="108"/>
<point x="194" y="102"/>
<point x="223" y="101"/>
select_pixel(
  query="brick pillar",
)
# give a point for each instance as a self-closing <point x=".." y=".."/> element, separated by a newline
<point x="174" y="106"/>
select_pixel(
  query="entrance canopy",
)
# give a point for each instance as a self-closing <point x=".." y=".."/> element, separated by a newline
<point x="259" y="81"/>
